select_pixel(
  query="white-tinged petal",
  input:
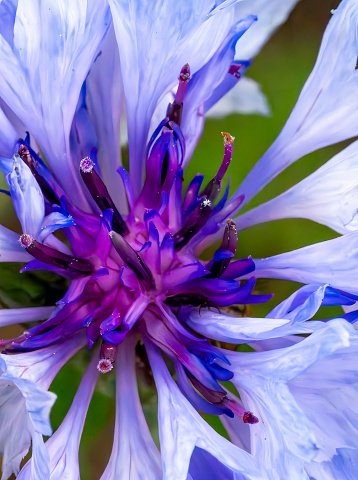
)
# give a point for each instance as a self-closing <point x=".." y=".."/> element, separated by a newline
<point x="325" y="112"/>
<point x="170" y="34"/>
<point x="43" y="66"/>
<point x="270" y="15"/>
<point x="137" y="457"/>
<point x="24" y="411"/>
<point x="181" y="429"/>
<point x="105" y="102"/>
<point x="63" y="446"/>
<point x="10" y="247"/>
<point x="334" y="262"/>
<point x="8" y="138"/>
<point x="246" y="97"/>
<point x="27" y="197"/>
<point x="41" y="366"/>
<point x="13" y="316"/>
<point x="278" y="323"/>
<point x="328" y="196"/>
<point x="284" y="438"/>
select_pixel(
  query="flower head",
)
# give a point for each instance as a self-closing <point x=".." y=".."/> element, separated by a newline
<point x="131" y="241"/>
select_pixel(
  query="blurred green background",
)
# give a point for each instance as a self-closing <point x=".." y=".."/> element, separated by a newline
<point x="281" y="68"/>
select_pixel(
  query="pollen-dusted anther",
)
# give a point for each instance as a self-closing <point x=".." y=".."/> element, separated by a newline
<point x="104" y="365"/>
<point x="86" y="165"/>
<point x="250" y="418"/>
<point x="228" y="139"/>
<point x="26" y="240"/>
<point x="184" y="75"/>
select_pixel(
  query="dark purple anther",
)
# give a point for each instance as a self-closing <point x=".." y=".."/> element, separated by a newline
<point x="229" y="243"/>
<point x="212" y="189"/>
<point x="53" y="257"/>
<point x="100" y="194"/>
<point x="250" y="418"/>
<point x="197" y="219"/>
<point x="132" y="259"/>
<point x="234" y="70"/>
<point x="175" y="110"/>
<point x="47" y="191"/>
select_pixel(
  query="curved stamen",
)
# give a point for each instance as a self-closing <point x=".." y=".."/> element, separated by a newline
<point x="175" y="110"/>
<point x="100" y="194"/>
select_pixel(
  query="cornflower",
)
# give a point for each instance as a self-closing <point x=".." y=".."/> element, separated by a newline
<point x="129" y="243"/>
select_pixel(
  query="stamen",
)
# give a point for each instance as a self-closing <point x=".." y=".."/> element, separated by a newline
<point x="53" y="257"/>
<point x="46" y="189"/>
<point x="104" y="365"/>
<point x="26" y="240"/>
<point x="229" y="243"/>
<point x="175" y="110"/>
<point x="250" y="418"/>
<point x="100" y="194"/>
<point x="132" y="259"/>
<point x="229" y="143"/>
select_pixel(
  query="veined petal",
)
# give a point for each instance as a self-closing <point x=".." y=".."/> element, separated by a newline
<point x="24" y="315"/>
<point x="43" y="71"/>
<point x="10" y="248"/>
<point x="24" y="411"/>
<point x="192" y="35"/>
<point x="64" y="444"/>
<point x="334" y="262"/>
<point x="105" y="101"/>
<point x="204" y="82"/>
<point x="270" y="15"/>
<point x="181" y="429"/>
<point x="284" y="320"/>
<point x="328" y="196"/>
<point x="325" y="112"/>
<point x="41" y="366"/>
<point x="8" y="138"/>
<point x="284" y="438"/>
<point x="137" y="457"/>
<point x="27" y="197"/>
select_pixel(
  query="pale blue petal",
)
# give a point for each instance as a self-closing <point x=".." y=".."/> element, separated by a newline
<point x="193" y="32"/>
<point x="27" y="197"/>
<point x="334" y="262"/>
<point x="42" y="71"/>
<point x="325" y="112"/>
<point x="204" y="82"/>
<point x="10" y="248"/>
<point x="24" y="315"/>
<point x="181" y="429"/>
<point x="41" y="366"/>
<point x="105" y="102"/>
<point x="53" y="222"/>
<point x="270" y="15"/>
<point x="281" y="322"/>
<point x="137" y="457"/>
<point x="62" y="447"/>
<point x="24" y="410"/>
<point x="284" y="437"/>
<point x="328" y="196"/>
<point x="8" y="139"/>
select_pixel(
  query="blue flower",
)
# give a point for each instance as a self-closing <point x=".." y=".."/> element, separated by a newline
<point x="137" y="285"/>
